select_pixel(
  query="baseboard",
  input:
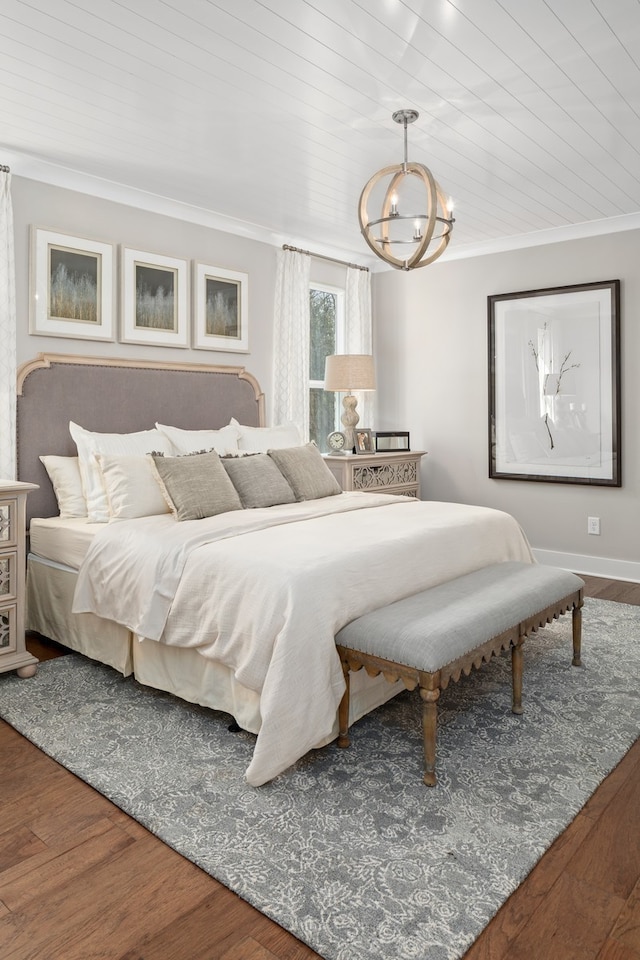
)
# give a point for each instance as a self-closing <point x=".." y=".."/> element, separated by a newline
<point x="591" y="566"/>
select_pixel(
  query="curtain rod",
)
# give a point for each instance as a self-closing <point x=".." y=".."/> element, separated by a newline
<point x="319" y="256"/>
<point x="4" y="169"/>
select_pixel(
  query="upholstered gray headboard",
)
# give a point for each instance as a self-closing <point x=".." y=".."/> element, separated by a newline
<point x="119" y="396"/>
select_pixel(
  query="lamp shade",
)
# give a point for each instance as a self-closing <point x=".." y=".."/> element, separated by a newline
<point x="349" y="371"/>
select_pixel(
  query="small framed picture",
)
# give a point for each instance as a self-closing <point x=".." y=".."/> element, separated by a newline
<point x="221" y="309"/>
<point x="72" y="286"/>
<point x="155" y="299"/>
<point x="364" y="442"/>
<point x="388" y="441"/>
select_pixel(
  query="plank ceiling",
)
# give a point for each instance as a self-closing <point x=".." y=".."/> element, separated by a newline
<point x="268" y="116"/>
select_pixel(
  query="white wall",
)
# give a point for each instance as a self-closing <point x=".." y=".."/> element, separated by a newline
<point x="81" y="215"/>
<point x="431" y="346"/>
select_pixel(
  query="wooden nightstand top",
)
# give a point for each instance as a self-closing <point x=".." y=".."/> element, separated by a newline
<point x="381" y="455"/>
<point x="16" y="486"/>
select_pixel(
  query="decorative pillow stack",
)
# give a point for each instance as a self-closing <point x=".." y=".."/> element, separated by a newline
<point x="191" y="473"/>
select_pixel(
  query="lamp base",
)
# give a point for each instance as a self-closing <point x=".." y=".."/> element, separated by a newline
<point x="350" y="419"/>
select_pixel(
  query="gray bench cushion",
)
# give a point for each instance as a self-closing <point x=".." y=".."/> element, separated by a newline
<point x="430" y="629"/>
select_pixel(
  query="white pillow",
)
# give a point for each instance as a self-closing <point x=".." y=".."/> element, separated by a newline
<point x="64" y="473"/>
<point x="132" y="487"/>
<point x="195" y="441"/>
<point x="261" y="439"/>
<point x="127" y="444"/>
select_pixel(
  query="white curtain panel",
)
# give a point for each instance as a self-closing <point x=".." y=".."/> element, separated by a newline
<point x="7" y="334"/>
<point x="291" y="340"/>
<point x="358" y="334"/>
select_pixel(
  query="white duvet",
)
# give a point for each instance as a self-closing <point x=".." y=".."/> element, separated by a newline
<point x="265" y="591"/>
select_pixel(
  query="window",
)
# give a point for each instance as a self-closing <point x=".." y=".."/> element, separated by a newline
<point x="326" y="338"/>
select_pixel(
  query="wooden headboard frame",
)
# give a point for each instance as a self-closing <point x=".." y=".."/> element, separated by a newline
<point x="119" y="396"/>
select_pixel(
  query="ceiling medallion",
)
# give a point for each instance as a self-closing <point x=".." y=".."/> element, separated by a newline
<point x="424" y="235"/>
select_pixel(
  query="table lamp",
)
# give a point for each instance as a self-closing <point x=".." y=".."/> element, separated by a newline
<point x="345" y="373"/>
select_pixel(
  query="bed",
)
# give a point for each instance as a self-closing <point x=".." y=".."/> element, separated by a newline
<point x="236" y="611"/>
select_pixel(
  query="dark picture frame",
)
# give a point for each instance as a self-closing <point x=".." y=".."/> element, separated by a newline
<point x="554" y="384"/>
<point x="391" y="441"/>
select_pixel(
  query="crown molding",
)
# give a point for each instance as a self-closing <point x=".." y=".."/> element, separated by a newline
<point x="34" y="168"/>
<point x="573" y="231"/>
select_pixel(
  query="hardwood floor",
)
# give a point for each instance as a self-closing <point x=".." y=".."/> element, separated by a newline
<point x="81" y="880"/>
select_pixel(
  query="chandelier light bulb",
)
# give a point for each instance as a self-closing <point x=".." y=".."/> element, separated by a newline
<point x="388" y="232"/>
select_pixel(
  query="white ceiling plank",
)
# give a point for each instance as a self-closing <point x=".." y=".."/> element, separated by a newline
<point x="274" y="113"/>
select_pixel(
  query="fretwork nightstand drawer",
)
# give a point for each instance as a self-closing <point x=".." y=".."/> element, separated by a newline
<point x="397" y="473"/>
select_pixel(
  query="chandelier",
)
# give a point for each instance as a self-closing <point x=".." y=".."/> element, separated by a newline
<point x="424" y="236"/>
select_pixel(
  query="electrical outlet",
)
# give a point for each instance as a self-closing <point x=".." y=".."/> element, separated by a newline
<point x="593" y="525"/>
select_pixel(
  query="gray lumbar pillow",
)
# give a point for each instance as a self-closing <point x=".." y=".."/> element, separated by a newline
<point x="196" y="486"/>
<point x="307" y="473"/>
<point x="258" y="481"/>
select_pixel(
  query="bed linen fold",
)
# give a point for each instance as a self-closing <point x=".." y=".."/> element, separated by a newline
<point x="133" y="567"/>
<point x="266" y="595"/>
<point x="62" y="540"/>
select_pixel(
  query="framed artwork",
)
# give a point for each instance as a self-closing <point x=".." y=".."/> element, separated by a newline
<point x="221" y="309"/>
<point x="554" y="384"/>
<point x="389" y="441"/>
<point x="364" y="441"/>
<point x="72" y="286"/>
<point x="155" y="299"/>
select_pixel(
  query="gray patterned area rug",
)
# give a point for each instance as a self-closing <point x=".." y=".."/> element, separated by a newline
<point x="349" y="850"/>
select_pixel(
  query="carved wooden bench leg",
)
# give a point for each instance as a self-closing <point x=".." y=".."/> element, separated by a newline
<point x="577" y="635"/>
<point x="516" y="675"/>
<point x="343" y="710"/>
<point x="429" y="728"/>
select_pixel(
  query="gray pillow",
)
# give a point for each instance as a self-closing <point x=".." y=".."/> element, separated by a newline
<point x="306" y="472"/>
<point x="196" y="486"/>
<point x="258" y="481"/>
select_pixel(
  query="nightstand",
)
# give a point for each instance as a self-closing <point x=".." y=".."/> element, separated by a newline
<point x="397" y="472"/>
<point x="13" y="652"/>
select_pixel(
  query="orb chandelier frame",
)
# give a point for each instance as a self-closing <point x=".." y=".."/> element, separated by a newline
<point x="438" y="212"/>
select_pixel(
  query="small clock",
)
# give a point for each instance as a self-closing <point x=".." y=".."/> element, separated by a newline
<point x="336" y="441"/>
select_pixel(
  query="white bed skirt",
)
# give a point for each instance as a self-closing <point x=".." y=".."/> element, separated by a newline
<point x="48" y="611"/>
<point x="177" y="670"/>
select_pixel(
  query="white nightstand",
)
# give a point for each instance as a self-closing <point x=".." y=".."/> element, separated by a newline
<point x="397" y="472"/>
<point x="13" y="652"/>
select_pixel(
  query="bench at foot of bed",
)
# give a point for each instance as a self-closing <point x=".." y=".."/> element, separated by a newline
<point x="433" y="637"/>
